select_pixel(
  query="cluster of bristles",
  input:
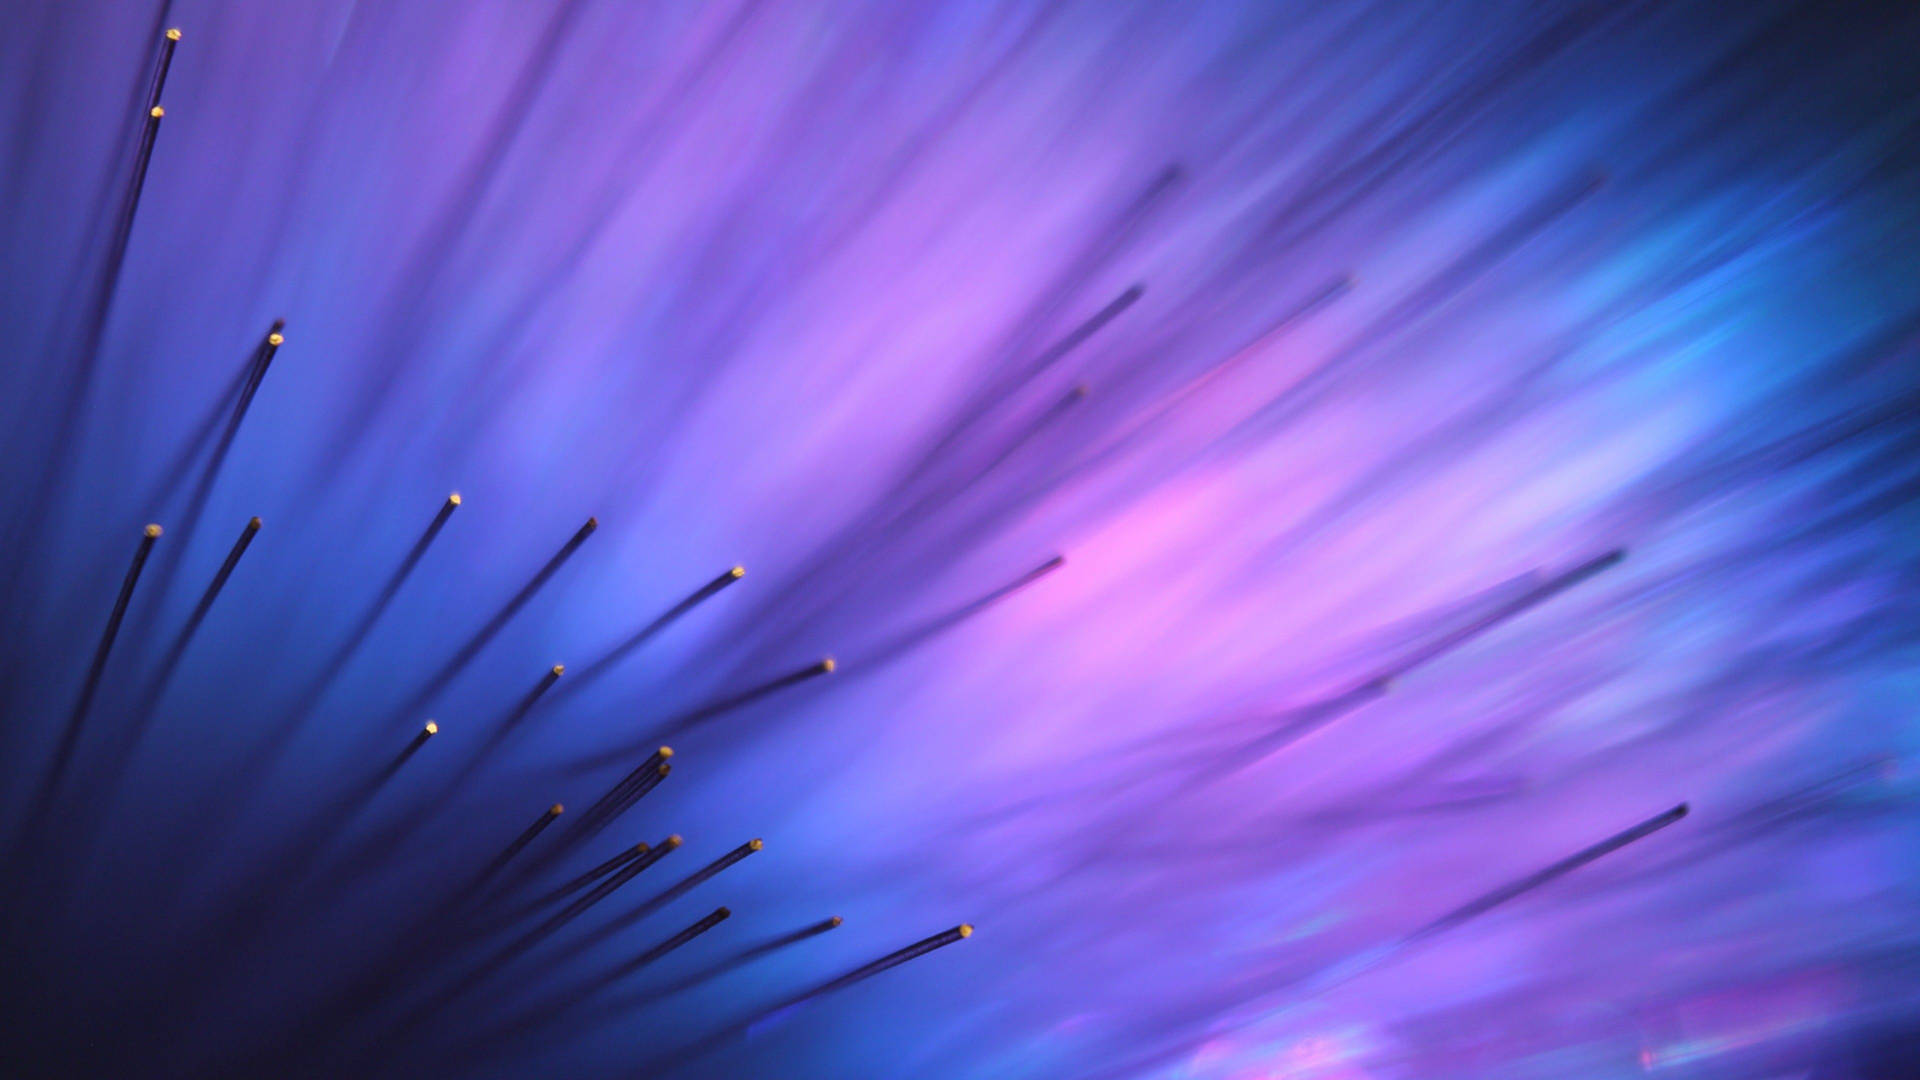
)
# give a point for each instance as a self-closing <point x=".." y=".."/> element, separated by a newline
<point x="492" y="917"/>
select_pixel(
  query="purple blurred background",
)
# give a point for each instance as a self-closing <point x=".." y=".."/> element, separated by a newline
<point x="1323" y="342"/>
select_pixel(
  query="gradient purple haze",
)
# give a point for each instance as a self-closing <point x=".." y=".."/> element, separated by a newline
<point x="1438" y="301"/>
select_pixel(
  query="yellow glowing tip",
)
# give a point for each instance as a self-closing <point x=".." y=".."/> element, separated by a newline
<point x="253" y="523"/>
<point x="156" y="112"/>
<point x="664" y="769"/>
<point x="556" y="810"/>
<point x="835" y="921"/>
<point x="674" y="841"/>
<point x="640" y="848"/>
<point x="276" y="340"/>
<point x="827" y="665"/>
<point x="173" y="34"/>
<point x="756" y="844"/>
<point x="559" y="669"/>
<point x="153" y="531"/>
<point x="454" y="498"/>
<point x="433" y="728"/>
<point x="666" y="751"/>
<point x="966" y="929"/>
<point x="738" y="571"/>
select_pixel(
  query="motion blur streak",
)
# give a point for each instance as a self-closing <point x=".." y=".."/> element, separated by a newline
<point x="1282" y="484"/>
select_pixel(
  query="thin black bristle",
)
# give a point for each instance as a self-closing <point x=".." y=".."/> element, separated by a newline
<point x="599" y="892"/>
<point x="466" y="653"/>
<point x="640" y="911"/>
<point x="567" y="888"/>
<point x="520" y="842"/>
<point x="869" y="970"/>
<point x="90" y="686"/>
<point x="119" y="752"/>
<point x="202" y="491"/>
<point x="525" y="942"/>
<point x="745" y="956"/>
<point x="561" y="1004"/>
<point x="427" y="731"/>
<point x="163" y="675"/>
<point x="93" y="324"/>
<point x="332" y="666"/>
<point x="1513" y="890"/>
<point x="646" y="633"/>
<point x="641" y="780"/>
<point x="701" y="926"/>
<point x="824" y="666"/>
<point x="860" y="974"/>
